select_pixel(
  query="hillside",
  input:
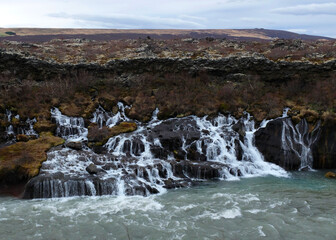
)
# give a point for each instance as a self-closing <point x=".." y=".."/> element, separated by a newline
<point x="47" y="34"/>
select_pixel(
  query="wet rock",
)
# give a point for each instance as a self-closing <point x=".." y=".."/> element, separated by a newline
<point x="194" y="155"/>
<point x="102" y="135"/>
<point x="269" y="143"/>
<point x="74" y="145"/>
<point x="239" y="150"/>
<point x="171" y="184"/>
<point x="240" y="129"/>
<point x="169" y="134"/>
<point x="92" y="169"/>
<point x="324" y="149"/>
<point x="203" y="170"/>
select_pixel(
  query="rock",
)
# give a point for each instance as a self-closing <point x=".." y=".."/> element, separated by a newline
<point x="199" y="170"/>
<point x="240" y="129"/>
<point x="268" y="141"/>
<point x="324" y="149"/>
<point x="102" y="135"/>
<point x="21" y="161"/>
<point x="92" y="169"/>
<point x="330" y="175"/>
<point x="169" y="133"/>
<point x="74" y="145"/>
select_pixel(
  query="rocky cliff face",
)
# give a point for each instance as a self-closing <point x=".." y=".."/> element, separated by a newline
<point x="324" y="150"/>
<point x="297" y="147"/>
<point x="242" y="66"/>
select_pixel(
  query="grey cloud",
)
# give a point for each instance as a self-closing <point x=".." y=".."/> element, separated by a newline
<point x="308" y="9"/>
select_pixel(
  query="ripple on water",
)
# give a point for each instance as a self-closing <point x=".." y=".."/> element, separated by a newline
<point x="248" y="209"/>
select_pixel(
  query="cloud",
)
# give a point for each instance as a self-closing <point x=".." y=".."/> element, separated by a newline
<point x="178" y="14"/>
<point x="116" y="20"/>
<point x="308" y="9"/>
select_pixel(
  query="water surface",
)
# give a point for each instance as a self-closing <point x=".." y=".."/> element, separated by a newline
<point x="299" y="207"/>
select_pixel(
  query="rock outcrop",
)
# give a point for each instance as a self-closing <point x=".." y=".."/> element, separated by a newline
<point x="21" y="161"/>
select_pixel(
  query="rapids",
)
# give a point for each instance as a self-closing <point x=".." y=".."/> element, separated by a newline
<point x="298" y="207"/>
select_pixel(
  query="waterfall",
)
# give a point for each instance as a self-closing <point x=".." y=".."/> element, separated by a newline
<point x="221" y="147"/>
<point x="103" y="118"/>
<point x="29" y="128"/>
<point x="158" y="155"/>
<point x="69" y="128"/>
<point x="298" y="140"/>
<point x="26" y="128"/>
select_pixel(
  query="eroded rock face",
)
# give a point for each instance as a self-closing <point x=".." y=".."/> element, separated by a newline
<point x="324" y="150"/>
<point x="289" y="145"/>
<point x="269" y="142"/>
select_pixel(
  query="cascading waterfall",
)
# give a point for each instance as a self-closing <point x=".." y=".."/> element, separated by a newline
<point x="160" y="154"/>
<point x="103" y="118"/>
<point x="69" y="128"/>
<point x="220" y="147"/>
<point x="26" y="128"/>
<point x="29" y="129"/>
<point x="298" y="140"/>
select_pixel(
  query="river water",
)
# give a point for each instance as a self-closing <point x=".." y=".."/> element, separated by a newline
<point x="301" y="206"/>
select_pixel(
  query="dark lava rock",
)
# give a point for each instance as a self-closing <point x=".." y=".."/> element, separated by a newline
<point x="199" y="170"/>
<point x="240" y="129"/>
<point x="92" y="169"/>
<point x="324" y="149"/>
<point x="74" y="145"/>
<point x="268" y="141"/>
<point x="169" y="133"/>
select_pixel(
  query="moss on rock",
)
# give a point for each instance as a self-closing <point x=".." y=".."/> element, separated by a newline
<point x="22" y="160"/>
<point x="99" y="136"/>
<point x="44" y="126"/>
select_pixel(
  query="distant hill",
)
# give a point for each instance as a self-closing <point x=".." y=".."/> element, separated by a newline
<point x="47" y="34"/>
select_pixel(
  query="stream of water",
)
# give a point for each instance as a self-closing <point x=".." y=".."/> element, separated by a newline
<point x="301" y="206"/>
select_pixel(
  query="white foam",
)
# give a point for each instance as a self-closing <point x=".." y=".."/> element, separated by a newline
<point x="70" y="128"/>
<point x="227" y="214"/>
<point x="261" y="233"/>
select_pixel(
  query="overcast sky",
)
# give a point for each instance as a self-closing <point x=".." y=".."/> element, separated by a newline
<point x="317" y="17"/>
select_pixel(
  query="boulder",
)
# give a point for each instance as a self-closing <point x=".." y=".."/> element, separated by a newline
<point x="76" y="145"/>
<point x="102" y="135"/>
<point x="92" y="169"/>
<point x="330" y="175"/>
